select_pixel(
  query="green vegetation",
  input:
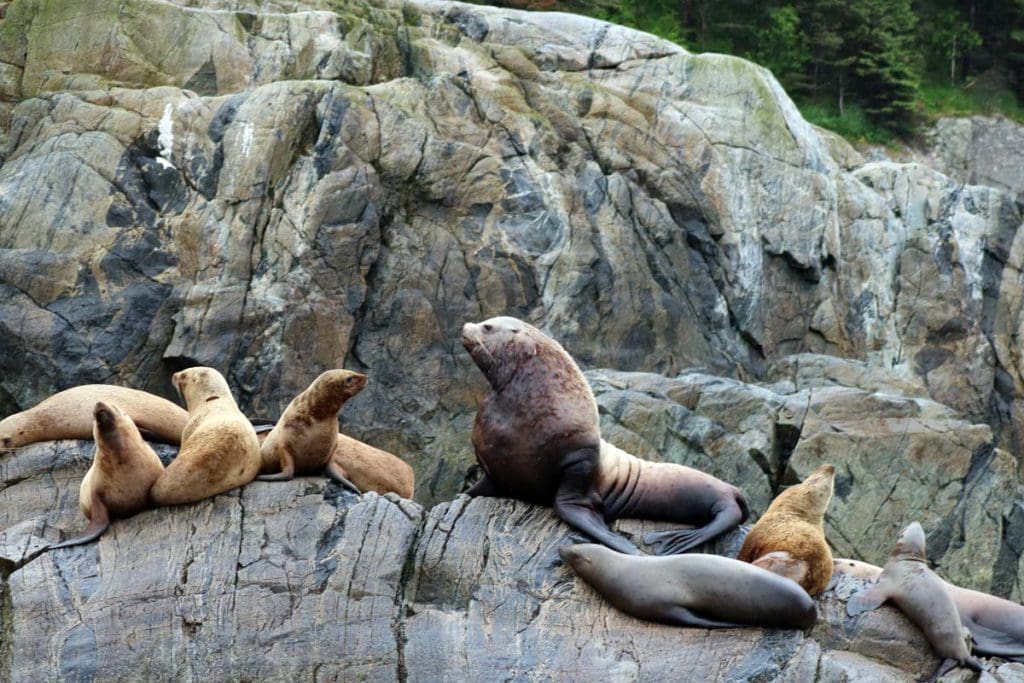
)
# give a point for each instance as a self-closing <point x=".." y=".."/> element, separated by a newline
<point x="869" y="69"/>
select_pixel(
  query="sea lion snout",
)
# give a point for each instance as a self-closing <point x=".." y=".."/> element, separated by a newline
<point x="471" y="336"/>
<point x="104" y="415"/>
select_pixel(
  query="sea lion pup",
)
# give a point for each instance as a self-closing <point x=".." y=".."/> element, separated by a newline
<point x="705" y="591"/>
<point x="996" y="624"/>
<point x="789" y="538"/>
<point x="537" y="438"/>
<point x="68" y="415"/>
<point x="920" y="594"/>
<point x="305" y="438"/>
<point x="123" y="470"/>
<point x="219" y="448"/>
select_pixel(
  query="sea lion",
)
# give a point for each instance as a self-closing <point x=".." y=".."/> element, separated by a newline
<point x="372" y="469"/>
<point x="705" y="591"/>
<point x="789" y="538"/>
<point x="305" y="438"/>
<point x="537" y="438"/>
<point x="68" y="414"/>
<point x="122" y="472"/>
<point x="920" y="594"/>
<point x="996" y="624"/>
<point x="219" y="449"/>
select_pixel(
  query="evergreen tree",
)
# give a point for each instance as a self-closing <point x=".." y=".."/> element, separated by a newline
<point x="886" y="67"/>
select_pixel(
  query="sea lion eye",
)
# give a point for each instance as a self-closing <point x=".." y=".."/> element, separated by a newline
<point x="488" y="328"/>
<point x="515" y="331"/>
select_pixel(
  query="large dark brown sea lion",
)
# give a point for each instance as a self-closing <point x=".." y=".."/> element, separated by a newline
<point x="219" y="449"/>
<point x="537" y="439"/>
<point x="705" y="591"/>
<point x="68" y="414"/>
<point x="789" y="539"/>
<point x="123" y="471"/>
<point x="920" y="594"/>
<point x="305" y="438"/>
<point x="996" y="624"/>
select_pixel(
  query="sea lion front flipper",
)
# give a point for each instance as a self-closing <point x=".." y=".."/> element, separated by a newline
<point x="287" y="472"/>
<point x="783" y="563"/>
<point x="576" y="505"/>
<point x="98" y="523"/>
<point x="680" y="616"/>
<point x="992" y="643"/>
<point x="483" y="487"/>
<point x="337" y="473"/>
<point x="866" y="600"/>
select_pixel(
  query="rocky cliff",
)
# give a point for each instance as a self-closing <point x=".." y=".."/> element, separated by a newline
<point x="275" y="188"/>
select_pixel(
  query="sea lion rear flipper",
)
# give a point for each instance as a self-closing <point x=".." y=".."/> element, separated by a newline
<point x="287" y="472"/>
<point x="866" y="600"/>
<point x="677" y="541"/>
<point x="992" y="643"/>
<point x="99" y="523"/>
<point x="680" y="616"/>
<point x="335" y="472"/>
<point x="577" y="507"/>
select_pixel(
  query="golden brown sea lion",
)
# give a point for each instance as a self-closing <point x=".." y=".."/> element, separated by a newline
<point x="537" y="439"/>
<point x="920" y="594"/>
<point x="372" y="469"/>
<point x="704" y="591"/>
<point x="219" y="449"/>
<point x="123" y="471"/>
<point x="790" y="537"/>
<point x="68" y="414"/>
<point x="305" y="438"/>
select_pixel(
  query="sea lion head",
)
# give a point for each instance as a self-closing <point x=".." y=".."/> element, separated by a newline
<point x="341" y="383"/>
<point x="105" y="416"/>
<point x="500" y="345"/>
<point x="199" y="384"/>
<point x="809" y="498"/>
<point x="911" y="544"/>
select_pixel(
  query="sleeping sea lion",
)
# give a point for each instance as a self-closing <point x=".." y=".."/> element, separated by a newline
<point x="68" y="414"/>
<point x="537" y="438"/>
<point x="704" y="591"/>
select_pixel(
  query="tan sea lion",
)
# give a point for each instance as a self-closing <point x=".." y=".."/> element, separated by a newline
<point x="123" y="470"/>
<point x="996" y="624"/>
<point x="705" y="591"/>
<point x="537" y="438"/>
<point x="920" y="594"/>
<point x="789" y="539"/>
<point x="68" y="414"/>
<point x="219" y="449"/>
<point x="372" y="469"/>
<point x="305" y="438"/>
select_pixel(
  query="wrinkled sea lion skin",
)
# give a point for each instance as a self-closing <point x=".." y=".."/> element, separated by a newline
<point x="123" y="470"/>
<point x="537" y="439"/>
<point x="919" y="593"/>
<point x="68" y="414"/>
<point x="791" y="533"/>
<point x="703" y="591"/>
<point x="219" y="449"/>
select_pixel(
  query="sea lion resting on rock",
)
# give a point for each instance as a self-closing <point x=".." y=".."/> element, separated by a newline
<point x="123" y="470"/>
<point x="920" y="594"/>
<point x="705" y="591"/>
<point x="789" y="538"/>
<point x="68" y="414"/>
<point x="304" y="440"/>
<point x="996" y="624"/>
<point x="537" y="438"/>
<point x="219" y="449"/>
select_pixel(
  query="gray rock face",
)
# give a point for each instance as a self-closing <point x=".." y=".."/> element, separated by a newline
<point x="980" y="150"/>
<point x="303" y="580"/>
<point x="278" y="188"/>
